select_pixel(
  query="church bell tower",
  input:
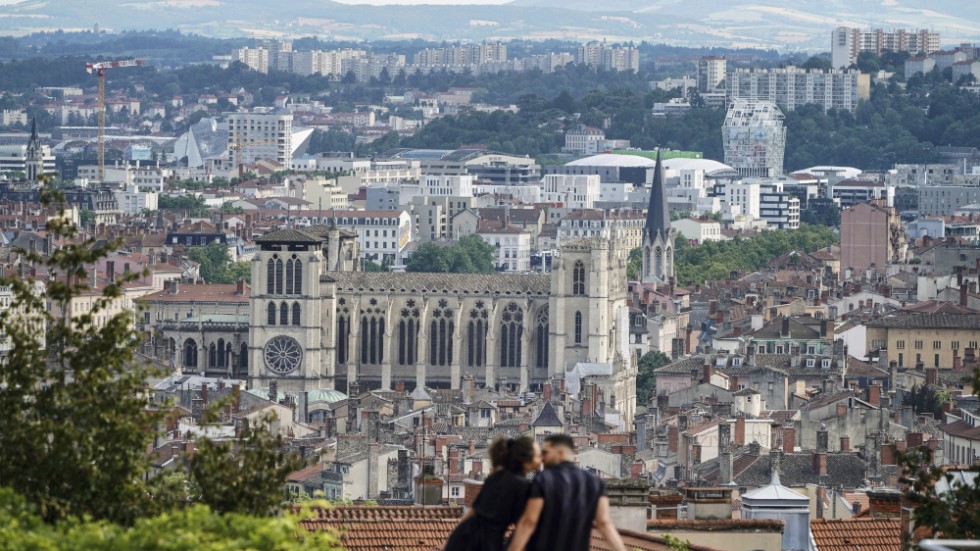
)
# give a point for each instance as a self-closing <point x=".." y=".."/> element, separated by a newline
<point x="658" y="236"/>
<point x="34" y="156"/>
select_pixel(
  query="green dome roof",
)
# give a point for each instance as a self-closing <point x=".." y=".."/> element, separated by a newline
<point x="327" y="395"/>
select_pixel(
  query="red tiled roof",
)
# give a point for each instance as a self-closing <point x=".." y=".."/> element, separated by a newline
<point x="205" y="292"/>
<point x="427" y="528"/>
<point x="880" y="534"/>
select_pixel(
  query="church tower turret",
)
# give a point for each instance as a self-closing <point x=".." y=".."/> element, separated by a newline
<point x="34" y="157"/>
<point x="658" y="236"/>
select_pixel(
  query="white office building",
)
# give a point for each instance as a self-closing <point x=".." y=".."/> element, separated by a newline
<point x="261" y="136"/>
<point x="574" y="191"/>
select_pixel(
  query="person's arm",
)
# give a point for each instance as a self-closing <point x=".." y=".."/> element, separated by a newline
<point x="605" y="525"/>
<point x="526" y="525"/>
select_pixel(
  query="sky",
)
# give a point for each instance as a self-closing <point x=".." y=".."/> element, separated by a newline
<point x="418" y="2"/>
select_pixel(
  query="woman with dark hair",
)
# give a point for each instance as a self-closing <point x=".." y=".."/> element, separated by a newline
<point x="502" y="498"/>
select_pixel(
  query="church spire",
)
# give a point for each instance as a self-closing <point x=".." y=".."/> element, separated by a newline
<point x="658" y="213"/>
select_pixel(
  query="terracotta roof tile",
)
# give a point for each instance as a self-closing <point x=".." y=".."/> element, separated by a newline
<point x="865" y="534"/>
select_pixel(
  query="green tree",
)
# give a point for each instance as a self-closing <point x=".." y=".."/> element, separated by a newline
<point x="74" y="422"/>
<point x="646" y="381"/>
<point x="216" y="265"/>
<point x="471" y="255"/>
<point x="188" y="529"/>
<point x="245" y="475"/>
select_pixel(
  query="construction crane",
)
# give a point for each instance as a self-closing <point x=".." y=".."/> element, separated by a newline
<point x="99" y="69"/>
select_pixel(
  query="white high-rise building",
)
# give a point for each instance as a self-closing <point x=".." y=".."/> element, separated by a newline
<point x="261" y="136"/>
<point x="846" y="43"/>
<point x="791" y="87"/>
<point x="754" y="138"/>
<point x="711" y="73"/>
<point x="256" y="59"/>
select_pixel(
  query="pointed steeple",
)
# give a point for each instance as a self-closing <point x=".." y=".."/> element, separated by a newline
<point x="658" y="213"/>
<point x="34" y="129"/>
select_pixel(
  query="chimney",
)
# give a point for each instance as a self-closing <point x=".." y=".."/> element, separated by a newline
<point x="665" y="503"/>
<point x="400" y="387"/>
<point x="841" y="409"/>
<point x="204" y="393"/>
<point x="789" y="440"/>
<point x="823" y="440"/>
<point x="914" y="439"/>
<point x="546" y="391"/>
<point x="636" y="469"/>
<point x="110" y="269"/>
<point x="932" y="376"/>
<point x="240" y="287"/>
<point x="706" y="371"/>
<point x="827" y="330"/>
<point x="695" y="454"/>
<point x="963" y="293"/>
<point x="672" y="436"/>
<point x="874" y="394"/>
<point x="820" y="463"/>
<point x="740" y="431"/>
<point x="784" y="332"/>
<point x="884" y="503"/>
<point x="845" y="444"/>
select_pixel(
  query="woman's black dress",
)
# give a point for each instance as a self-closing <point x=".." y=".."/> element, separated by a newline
<point x="500" y="503"/>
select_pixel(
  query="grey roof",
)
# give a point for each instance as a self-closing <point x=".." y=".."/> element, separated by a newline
<point x="288" y="235"/>
<point x="415" y="282"/>
<point x="548" y="417"/>
<point x="929" y="321"/>
<point x="796" y="470"/>
<point x="658" y="216"/>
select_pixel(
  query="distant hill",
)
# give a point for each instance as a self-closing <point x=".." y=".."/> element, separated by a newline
<point x="788" y="24"/>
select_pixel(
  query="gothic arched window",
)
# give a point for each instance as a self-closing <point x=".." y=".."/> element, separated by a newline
<point x="243" y="356"/>
<point x="296" y="313"/>
<point x="272" y="313"/>
<point x="441" y="335"/>
<point x="372" y="336"/>
<point x="476" y="337"/>
<point x="289" y="277"/>
<point x="283" y="314"/>
<point x="278" y="276"/>
<point x="297" y="276"/>
<point x="658" y="257"/>
<point x="343" y="336"/>
<point x="190" y="353"/>
<point x="578" y="327"/>
<point x="212" y="356"/>
<point x="578" y="278"/>
<point x="408" y="335"/>
<point x="511" y="332"/>
<point x="541" y="339"/>
<point x="221" y="354"/>
<point x="270" y="276"/>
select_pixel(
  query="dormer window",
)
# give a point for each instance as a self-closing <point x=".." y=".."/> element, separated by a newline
<point x="810" y="362"/>
<point x="736" y="362"/>
<point x="825" y="363"/>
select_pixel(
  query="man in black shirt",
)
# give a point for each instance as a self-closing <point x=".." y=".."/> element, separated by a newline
<point x="564" y="501"/>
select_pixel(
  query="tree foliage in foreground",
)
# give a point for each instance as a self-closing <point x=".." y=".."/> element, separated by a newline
<point x="472" y="255"/>
<point x="76" y="423"/>
<point x="195" y="528"/>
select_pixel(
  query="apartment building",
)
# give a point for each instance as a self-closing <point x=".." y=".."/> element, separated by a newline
<point x="583" y="140"/>
<point x="610" y="58"/>
<point x="930" y="340"/>
<point x="779" y="209"/>
<point x="513" y="244"/>
<point x="872" y="236"/>
<point x="574" y="191"/>
<point x="383" y="235"/>
<point x="711" y="73"/>
<point x="625" y="225"/>
<point x="945" y="200"/>
<point x="257" y="136"/>
<point x="791" y="87"/>
<point x="847" y="42"/>
<point x="848" y="193"/>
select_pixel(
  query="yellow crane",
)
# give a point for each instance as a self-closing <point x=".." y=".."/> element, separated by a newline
<point x="99" y="69"/>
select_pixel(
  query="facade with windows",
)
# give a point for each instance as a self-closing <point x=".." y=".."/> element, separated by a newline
<point x="432" y="328"/>
<point x="943" y="341"/>
<point x="381" y="234"/>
